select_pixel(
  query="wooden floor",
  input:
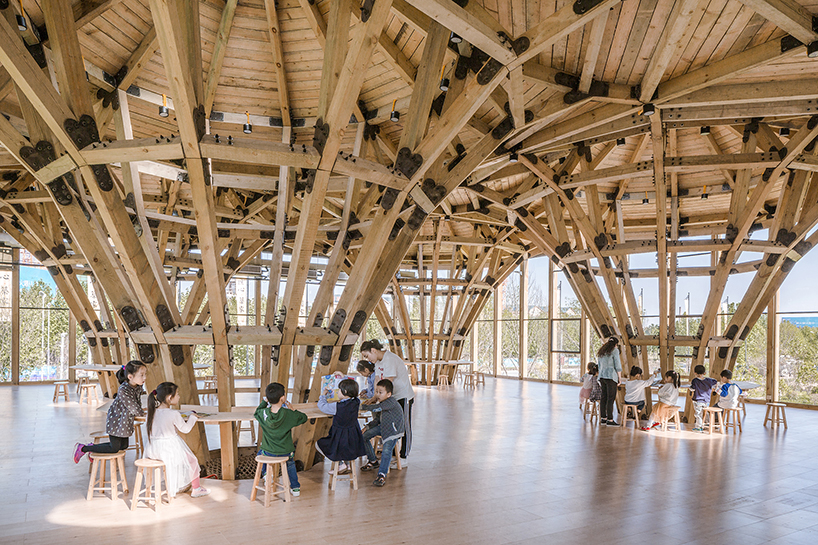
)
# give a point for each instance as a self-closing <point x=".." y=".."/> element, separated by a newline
<point x="509" y="463"/>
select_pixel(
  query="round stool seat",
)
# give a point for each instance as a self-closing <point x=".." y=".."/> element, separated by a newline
<point x="148" y="463"/>
<point x="106" y="455"/>
<point x="271" y="459"/>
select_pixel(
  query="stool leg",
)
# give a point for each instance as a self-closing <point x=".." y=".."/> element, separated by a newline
<point x="93" y="481"/>
<point x="354" y="480"/>
<point x="157" y="487"/>
<point x="285" y="480"/>
<point x="255" y="481"/>
<point x="114" y="479"/>
<point x="767" y="416"/>
<point x="148" y="485"/>
<point x="137" y="483"/>
<point x="121" y="462"/>
<point x="267" y="484"/>
<point x="783" y="416"/>
<point x="167" y="489"/>
<point x="397" y="453"/>
<point x="334" y="475"/>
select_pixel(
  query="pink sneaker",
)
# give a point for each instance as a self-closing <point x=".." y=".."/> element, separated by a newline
<point x="199" y="492"/>
<point x="78" y="453"/>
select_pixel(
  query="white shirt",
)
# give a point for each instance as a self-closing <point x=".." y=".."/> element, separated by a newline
<point x="668" y="394"/>
<point x="635" y="390"/>
<point x="394" y="368"/>
<point x="588" y="381"/>
<point x="730" y="401"/>
<point x="167" y="421"/>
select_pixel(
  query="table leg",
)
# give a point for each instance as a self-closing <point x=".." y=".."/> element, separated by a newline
<point x="229" y="452"/>
<point x="648" y="401"/>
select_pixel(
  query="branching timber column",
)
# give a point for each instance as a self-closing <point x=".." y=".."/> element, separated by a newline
<point x="177" y="25"/>
<point x="658" y="139"/>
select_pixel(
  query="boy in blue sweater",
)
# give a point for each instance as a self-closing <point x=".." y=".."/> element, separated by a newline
<point x="700" y="390"/>
<point x="387" y="421"/>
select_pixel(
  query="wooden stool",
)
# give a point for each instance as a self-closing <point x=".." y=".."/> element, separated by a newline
<point x="741" y="403"/>
<point x="377" y="443"/>
<point x="80" y="382"/>
<point x="353" y="481"/>
<point x="713" y="415"/>
<point x="152" y="479"/>
<point x="209" y="382"/>
<point x="60" y="389"/>
<point x="271" y="487"/>
<point x="732" y="417"/>
<point x="468" y="379"/>
<point x="98" y="437"/>
<point x="248" y="425"/>
<point x="479" y="378"/>
<point x="85" y="392"/>
<point x="590" y="408"/>
<point x="443" y="382"/>
<point x="776" y="415"/>
<point x="630" y="409"/>
<point x="458" y="374"/>
<point x="116" y="462"/>
<point x="677" y="423"/>
<point x="138" y="443"/>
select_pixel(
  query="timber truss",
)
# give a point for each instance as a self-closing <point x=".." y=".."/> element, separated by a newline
<point x="665" y="134"/>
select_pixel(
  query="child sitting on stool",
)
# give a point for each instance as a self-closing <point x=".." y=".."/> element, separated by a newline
<point x="728" y="391"/>
<point x="387" y="421"/>
<point x="345" y="441"/>
<point x="635" y="388"/>
<point x="276" y="419"/>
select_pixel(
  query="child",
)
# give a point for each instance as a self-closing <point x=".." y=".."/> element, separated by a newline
<point x="700" y="389"/>
<point x="728" y="391"/>
<point x="668" y="395"/>
<point x="126" y="405"/>
<point x="387" y="421"/>
<point x="367" y="369"/>
<point x="181" y="465"/>
<point x="635" y="388"/>
<point x="588" y="380"/>
<point x="276" y="419"/>
<point x="345" y="441"/>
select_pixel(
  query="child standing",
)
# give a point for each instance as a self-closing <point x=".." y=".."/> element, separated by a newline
<point x="367" y="370"/>
<point x="164" y="443"/>
<point x="635" y="388"/>
<point x="610" y="368"/>
<point x="121" y="413"/>
<point x="345" y="441"/>
<point x="700" y="389"/>
<point x="387" y="421"/>
<point x="728" y="391"/>
<point x="588" y="380"/>
<point x="668" y="396"/>
<point x="276" y="419"/>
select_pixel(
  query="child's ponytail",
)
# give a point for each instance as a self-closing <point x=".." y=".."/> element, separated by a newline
<point x="156" y="398"/>
<point x="129" y="368"/>
<point x="674" y="377"/>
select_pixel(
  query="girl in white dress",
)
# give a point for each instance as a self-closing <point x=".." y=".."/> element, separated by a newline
<point x="165" y="444"/>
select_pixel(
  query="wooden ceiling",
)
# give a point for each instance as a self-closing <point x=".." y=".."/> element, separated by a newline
<point x="584" y="131"/>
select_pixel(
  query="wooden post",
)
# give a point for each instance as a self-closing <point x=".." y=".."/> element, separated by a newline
<point x="553" y="310"/>
<point x="498" y="328"/>
<point x="257" y="358"/>
<point x="15" y="316"/>
<point x="773" y="341"/>
<point x="584" y="340"/>
<point x="72" y="346"/>
<point x="473" y="348"/>
<point x="523" y="355"/>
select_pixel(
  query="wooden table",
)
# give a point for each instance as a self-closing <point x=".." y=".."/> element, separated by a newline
<point x="430" y="365"/>
<point x="106" y="374"/>
<point x="209" y="414"/>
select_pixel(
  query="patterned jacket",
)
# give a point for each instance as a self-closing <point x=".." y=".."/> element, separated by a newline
<point x="126" y="406"/>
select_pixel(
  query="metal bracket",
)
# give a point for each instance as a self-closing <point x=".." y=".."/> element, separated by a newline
<point x="489" y="70"/>
<point x="104" y="180"/>
<point x="407" y="162"/>
<point x="399" y="223"/>
<point x="83" y="132"/>
<point x="605" y="330"/>
<point x="501" y="131"/>
<point x="358" y="321"/>
<point x="308" y="175"/>
<point x="338" y="320"/>
<point x="39" y="156"/>
<point x="389" y="197"/>
<point x="164" y="317"/>
<point x="199" y="121"/>
<point x="788" y="43"/>
<point x="145" y="353"/>
<point x="61" y="192"/>
<point x="417" y="218"/>
<point x="366" y="10"/>
<point x="38" y="54"/>
<point x="320" y="136"/>
<point x="131" y="318"/>
<point x="433" y="191"/>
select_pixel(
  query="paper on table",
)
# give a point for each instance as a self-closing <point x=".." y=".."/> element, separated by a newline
<point x="187" y="414"/>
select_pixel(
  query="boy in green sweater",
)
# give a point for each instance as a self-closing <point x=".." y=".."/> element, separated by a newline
<point x="276" y="420"/>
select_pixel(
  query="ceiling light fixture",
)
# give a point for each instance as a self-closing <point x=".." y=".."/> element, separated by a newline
<point x="248" y="128"/>
<point x="784" y="131"/>
<point x="394" y="117"/>
<point x="21" y="19"/>
<point x="705" y="130"/>
<point x="648" y="109"/>
<point x="163" y="109"/>
<point x="620" y="141"/>
<point x="454" y="38"/>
